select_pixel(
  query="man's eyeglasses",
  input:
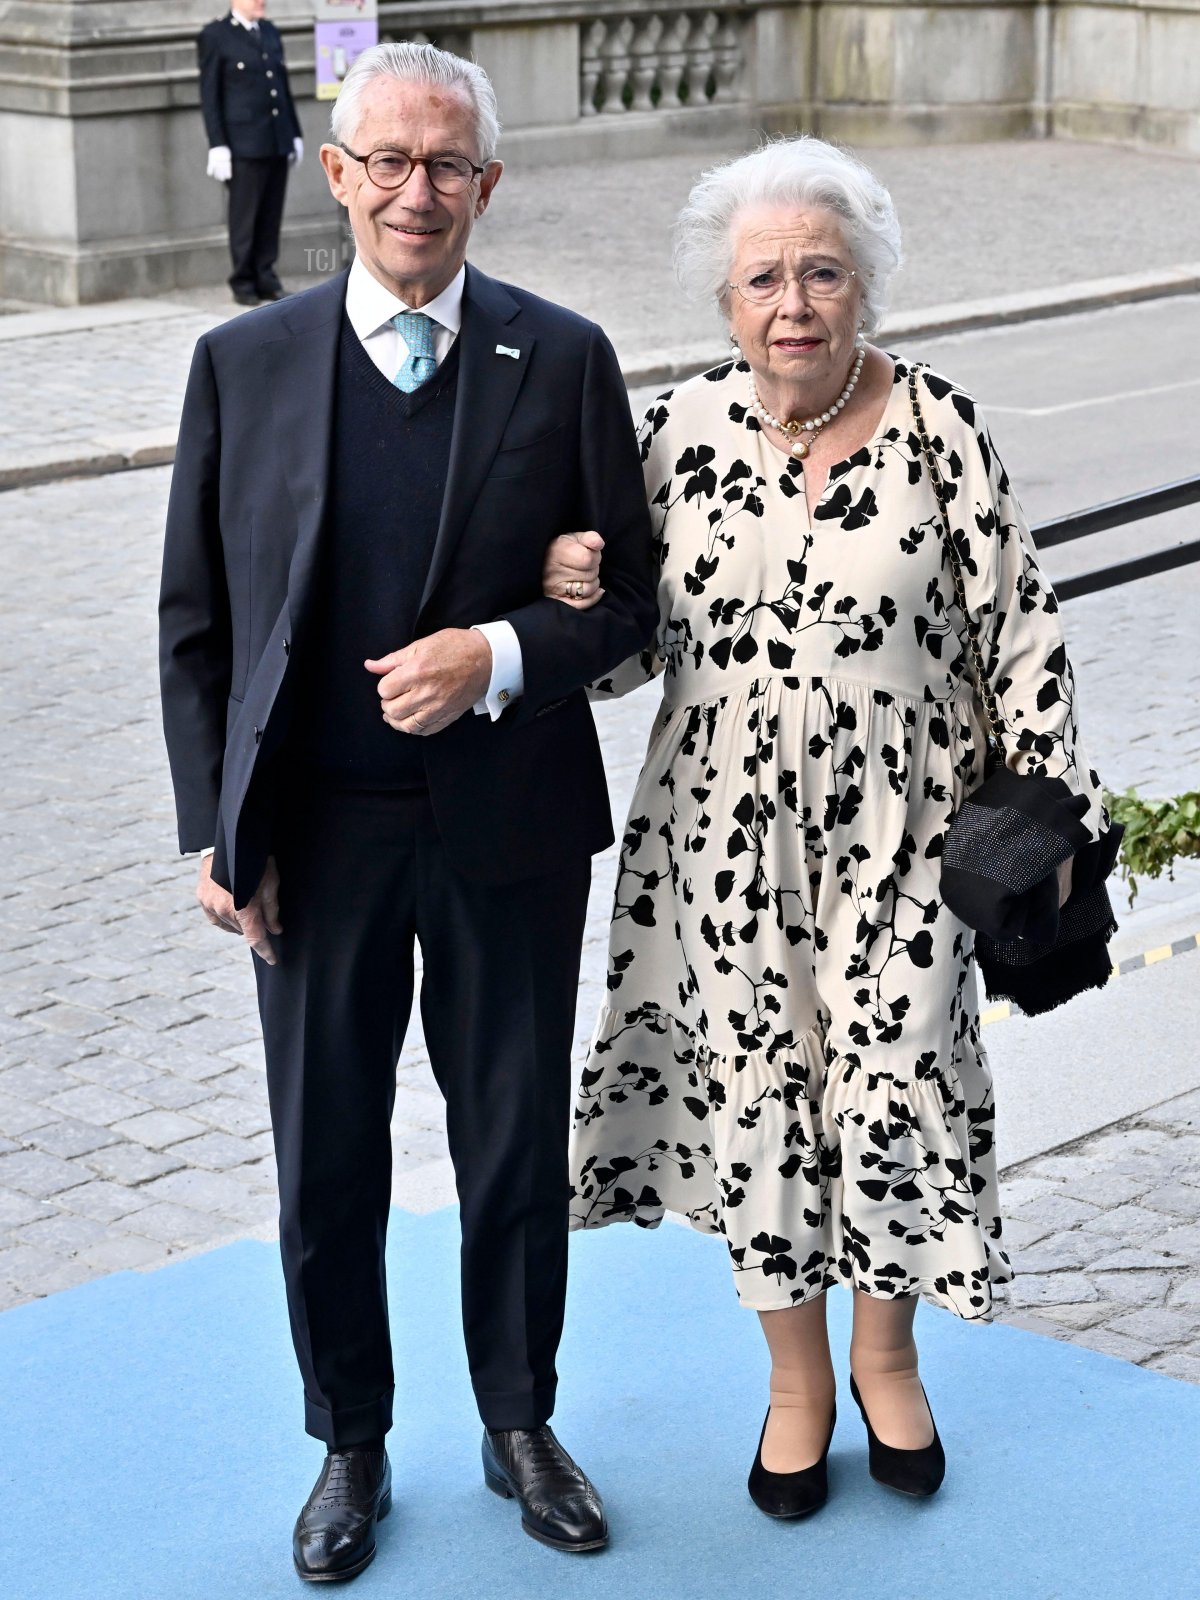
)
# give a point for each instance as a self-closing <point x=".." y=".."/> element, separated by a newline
<point x="819" y="283"/>
<point x="391" y="169"/>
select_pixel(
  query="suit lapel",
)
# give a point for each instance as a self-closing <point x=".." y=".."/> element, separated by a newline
<point x="488" y="384"/>
<point x="301" y="372"/>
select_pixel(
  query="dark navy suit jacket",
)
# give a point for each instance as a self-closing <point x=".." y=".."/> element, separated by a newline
<point x="244" y="91"/>
<point x="542" y="444"/>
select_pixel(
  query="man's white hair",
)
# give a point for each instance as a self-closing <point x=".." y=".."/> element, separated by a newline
<point x="801" y="171"/>
<point x="418" y="63"/>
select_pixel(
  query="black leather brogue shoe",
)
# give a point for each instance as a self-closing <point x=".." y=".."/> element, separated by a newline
<point x="559" y="1506"/>
<point x="335" y="1532"/>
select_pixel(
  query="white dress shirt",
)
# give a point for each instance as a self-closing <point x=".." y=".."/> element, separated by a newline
<point x="370" y="308"/>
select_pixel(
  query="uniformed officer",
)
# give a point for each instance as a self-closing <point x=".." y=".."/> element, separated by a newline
<point x="253" y="136"/>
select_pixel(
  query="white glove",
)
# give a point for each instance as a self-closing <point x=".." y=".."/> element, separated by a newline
<point x="297" y="155"/>
<point x="220" y="163"/>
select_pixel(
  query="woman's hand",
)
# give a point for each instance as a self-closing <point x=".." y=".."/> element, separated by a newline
<point x="571" y="570"/>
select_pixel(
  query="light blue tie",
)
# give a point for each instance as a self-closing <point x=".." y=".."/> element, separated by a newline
<point x="416" y="329"/>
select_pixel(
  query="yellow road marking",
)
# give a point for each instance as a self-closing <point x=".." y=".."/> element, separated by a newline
<point x="1150" y="958"/>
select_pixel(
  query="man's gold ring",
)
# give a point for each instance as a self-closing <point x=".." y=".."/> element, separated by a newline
<point x="420" y="726"/>
<point x="577" y="590"/>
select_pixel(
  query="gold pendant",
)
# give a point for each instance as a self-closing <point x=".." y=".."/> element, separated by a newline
<point x="800" y="449"/>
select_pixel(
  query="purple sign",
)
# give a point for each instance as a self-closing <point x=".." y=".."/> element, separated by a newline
<point x="337" y="44"/>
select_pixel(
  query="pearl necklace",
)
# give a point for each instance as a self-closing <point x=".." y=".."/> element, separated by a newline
<point x="813" y="425"/>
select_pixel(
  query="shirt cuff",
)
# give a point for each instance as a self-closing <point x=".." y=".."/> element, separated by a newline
<point x="508" y="670"/>
<point x="208" y="851"/>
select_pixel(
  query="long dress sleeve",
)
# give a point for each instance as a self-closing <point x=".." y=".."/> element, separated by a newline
<point x="647" y="664"/>
<point x="1013" y="608"/>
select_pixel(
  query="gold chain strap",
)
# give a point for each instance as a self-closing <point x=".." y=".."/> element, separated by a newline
<point x="991" y="713"/>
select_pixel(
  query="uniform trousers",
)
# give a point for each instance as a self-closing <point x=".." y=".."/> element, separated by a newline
<point x="363" y="875"/>
<point x="256" y="191"/>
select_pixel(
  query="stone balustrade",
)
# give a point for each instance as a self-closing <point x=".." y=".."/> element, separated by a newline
<point x="557" y="65"/>
<point x="658" y="61"/>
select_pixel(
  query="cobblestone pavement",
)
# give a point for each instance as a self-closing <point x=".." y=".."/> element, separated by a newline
<point x="1106" y="1235"/>
<point x="133" y="1123"/>
<point x="979" y="220"/>
<point x="70" y="394"/>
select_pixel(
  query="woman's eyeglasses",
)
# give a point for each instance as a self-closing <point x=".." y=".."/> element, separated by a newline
<point x="818" y="283"/>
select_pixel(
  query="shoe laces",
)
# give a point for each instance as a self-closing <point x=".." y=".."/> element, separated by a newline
<point x="338" y="1487"/>
<point x="545" y="1455"/>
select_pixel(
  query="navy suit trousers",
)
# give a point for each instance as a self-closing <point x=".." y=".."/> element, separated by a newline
<point x="362" y="876"/>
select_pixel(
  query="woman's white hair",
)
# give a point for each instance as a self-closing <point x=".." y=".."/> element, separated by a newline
<point x="418" y="63"/>
<point x="801" y="171"/>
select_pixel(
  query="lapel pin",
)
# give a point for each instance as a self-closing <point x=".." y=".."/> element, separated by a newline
<point x="505" y="350"/>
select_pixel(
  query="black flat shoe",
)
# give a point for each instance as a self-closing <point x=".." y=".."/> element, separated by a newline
<point x="559" y="1506"/>
<point x="790" y="1494"/>
<point x="914" y="1472"/>
<point x="246" y="297"/>
<point x="335" y="1532"/>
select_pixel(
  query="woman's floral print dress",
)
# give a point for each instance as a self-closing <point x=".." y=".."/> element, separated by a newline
<point x="790" y="1053"/>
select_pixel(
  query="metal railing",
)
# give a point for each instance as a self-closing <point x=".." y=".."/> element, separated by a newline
<point x="1115" y="514"/>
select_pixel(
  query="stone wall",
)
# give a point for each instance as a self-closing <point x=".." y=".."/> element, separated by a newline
<point x="1128" y="71"/>
<point x="103" y="191"/>
<point x="102" y="150"/>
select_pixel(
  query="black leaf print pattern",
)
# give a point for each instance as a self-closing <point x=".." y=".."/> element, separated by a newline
<point x="849" y="513"/>
<point x="789" y="1055"/>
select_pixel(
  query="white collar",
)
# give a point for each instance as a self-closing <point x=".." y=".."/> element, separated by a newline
<point x="370" y="306"/>
<point x="240" y="22"/>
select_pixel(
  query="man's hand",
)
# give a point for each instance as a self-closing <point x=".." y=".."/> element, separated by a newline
<point x="428" y="685"/>
<point x="220" y="163"/>
<point x="571" y="570"/>
<point x="254" y="921"/>
<point x="297" y="155"/>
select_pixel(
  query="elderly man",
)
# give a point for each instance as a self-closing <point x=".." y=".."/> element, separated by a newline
<point x="380" y="721"/>
<point x="253" y="136"/>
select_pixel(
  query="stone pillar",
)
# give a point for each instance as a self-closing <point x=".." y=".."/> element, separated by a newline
<point x="534" y="69"/>
<point x="784" y="66"/>
<point x="1128" y="72"/>
<point x="903" y="71"/>
<point x="103" y="192"/>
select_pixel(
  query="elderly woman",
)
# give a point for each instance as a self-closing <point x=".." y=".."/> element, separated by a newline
<point x="791" y="1055"/>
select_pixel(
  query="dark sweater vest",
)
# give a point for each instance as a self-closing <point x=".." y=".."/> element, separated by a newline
<point x="388" y="465"/>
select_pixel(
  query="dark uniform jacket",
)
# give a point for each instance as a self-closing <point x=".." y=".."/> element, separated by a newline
<point x="542" y="444"/>
<point x="244" y="90"/>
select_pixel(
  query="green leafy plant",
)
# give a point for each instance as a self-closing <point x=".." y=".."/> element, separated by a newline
<point x="1157" y="834"/>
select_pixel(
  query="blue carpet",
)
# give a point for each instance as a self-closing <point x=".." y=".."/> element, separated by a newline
<point x="151" y="1447"/>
